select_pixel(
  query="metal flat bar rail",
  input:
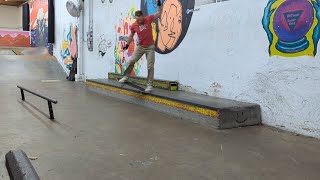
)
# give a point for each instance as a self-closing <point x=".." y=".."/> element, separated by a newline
<point x="50" y="101"/>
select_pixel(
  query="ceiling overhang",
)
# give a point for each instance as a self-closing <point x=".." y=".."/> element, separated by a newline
<point x="12" y="2"/>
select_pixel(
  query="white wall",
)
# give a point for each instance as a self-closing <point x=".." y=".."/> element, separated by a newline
<point x="224" y="54"/>
<point x="105" y="15"/>
<point x="62" y="20"/>
<point x="10" y="18"/>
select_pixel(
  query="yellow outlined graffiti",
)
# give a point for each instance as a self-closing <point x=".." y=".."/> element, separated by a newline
<point x="292" y="27"/>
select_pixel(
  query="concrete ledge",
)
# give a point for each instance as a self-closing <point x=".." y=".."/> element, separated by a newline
<point x="215" y="112"/>
<point x="158" y="83"/>
<point x="20" y="167"/>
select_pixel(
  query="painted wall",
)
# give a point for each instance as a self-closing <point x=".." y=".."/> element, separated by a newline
<point x="11" y="18"/>
<point x="15" y="38"/>
<point x="39" y="24"/>
<point x="66" y="36"/>
<point x="262" y="51"/>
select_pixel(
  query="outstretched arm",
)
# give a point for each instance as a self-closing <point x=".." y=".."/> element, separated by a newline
<point x="129" y="41"/>
<point x="158" y="13"/>
<point x="130" y="38"/>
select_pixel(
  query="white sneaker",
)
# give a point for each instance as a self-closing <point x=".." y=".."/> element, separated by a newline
<point x="124" y="79"/>
<point x="148" y="89"/>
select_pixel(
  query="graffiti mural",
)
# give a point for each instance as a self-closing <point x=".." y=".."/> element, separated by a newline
<point x="15" y="38"/>
<point x="292" y="27"/>
<point x="122" y="58"/>
<point x="171" y="27"/>
<point x="39" y="24"/>
<point x="69" y="47"/>
<point x="102" y="47"/>
<point x="105" y="1"/>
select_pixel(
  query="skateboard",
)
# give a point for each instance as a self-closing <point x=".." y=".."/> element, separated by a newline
<point x="139" y="88"/>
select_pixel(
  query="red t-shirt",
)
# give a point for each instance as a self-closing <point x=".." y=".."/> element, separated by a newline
<point x="144" y="31"/>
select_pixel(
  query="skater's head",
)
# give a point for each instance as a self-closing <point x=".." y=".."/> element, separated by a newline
<point x="139" y="16"/>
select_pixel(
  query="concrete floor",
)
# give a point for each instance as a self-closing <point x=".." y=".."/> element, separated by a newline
<point x="98" y="137"/>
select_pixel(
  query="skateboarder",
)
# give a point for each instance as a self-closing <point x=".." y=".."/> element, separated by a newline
<point x="145" y="45"/>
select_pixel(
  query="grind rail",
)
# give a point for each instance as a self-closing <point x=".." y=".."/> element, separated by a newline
<point x="50" y="101"/>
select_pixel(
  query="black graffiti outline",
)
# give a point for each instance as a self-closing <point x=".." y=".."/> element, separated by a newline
<point x="110" y="1"/>
<point x="109" y="43"/>
<point x="188" y="11"/>
<point x="165" y="16"/>
<point x="102" y="46"/>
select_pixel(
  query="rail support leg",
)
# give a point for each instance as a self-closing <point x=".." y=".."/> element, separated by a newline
<point x="22" y="94"/>
<point x="50" y="110"/>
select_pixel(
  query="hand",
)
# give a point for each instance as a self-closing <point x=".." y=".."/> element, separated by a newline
<point x="316" y="31"/>
<point x="126" y="47"/>
<point x="266" y="19"/>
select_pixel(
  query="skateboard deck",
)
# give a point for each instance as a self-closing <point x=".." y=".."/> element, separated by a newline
<point x="139" y="88"/>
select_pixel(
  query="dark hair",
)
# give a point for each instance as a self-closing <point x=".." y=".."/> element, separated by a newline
<point x="138" y="13"/>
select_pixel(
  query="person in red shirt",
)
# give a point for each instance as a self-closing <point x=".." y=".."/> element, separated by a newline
<point x="145" y="44"/>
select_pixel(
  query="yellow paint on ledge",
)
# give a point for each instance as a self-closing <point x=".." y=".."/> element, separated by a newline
<point x="195" y="109"/>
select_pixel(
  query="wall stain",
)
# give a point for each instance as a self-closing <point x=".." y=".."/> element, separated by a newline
<point x="215" y="89"/>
